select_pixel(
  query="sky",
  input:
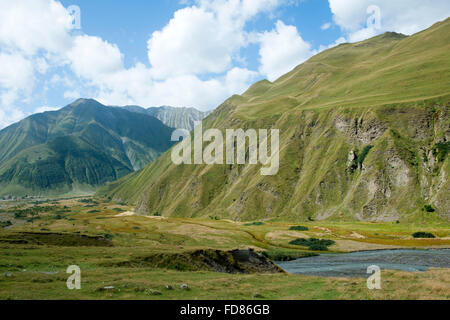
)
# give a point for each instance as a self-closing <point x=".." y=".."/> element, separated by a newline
<point x="193" y="53"/>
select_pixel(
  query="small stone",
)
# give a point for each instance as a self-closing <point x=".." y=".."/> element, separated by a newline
<point x="8" y="274"/>
<point x="184" y="287"/>
<point x="169" y="287"/>
<point x="155" y="293"/>
<point x="109" y="288"/>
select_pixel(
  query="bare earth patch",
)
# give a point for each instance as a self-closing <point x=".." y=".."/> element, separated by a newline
<point x="125" y="214"/>
<point x="352" y="245"/>
<point x="357" y="235"/>
<point x="156" y="217"/>
<point x="282" y="234"/>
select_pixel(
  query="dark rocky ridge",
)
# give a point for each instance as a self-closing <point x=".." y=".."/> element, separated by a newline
<point x="234" y="261"/>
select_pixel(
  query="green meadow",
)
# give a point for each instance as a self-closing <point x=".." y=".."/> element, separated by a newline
<point x="125" y="256"/>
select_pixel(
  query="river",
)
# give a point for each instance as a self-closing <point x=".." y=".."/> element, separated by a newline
<point x="355" y="264"/>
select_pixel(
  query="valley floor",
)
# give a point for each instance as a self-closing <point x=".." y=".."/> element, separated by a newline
<point x="125" y="256"/>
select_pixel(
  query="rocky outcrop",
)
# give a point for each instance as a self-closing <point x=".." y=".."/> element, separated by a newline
<point x="234" y="261"/>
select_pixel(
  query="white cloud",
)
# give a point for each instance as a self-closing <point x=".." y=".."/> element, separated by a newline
<point x="198" y="40"/>
<point x="192" y="42"/>
<point x="136" y="86"/>
<point x="31" y="25"/>
<point x="326" y="26"/>
<point x="203" y="38"/>
<point x="45" y="109"/>
<point x="91" y="57"/>
<point x="10" y="115"/>
<point x="281" y="50"/>
<point x="403" y="16"/>
<point x="72" y="94"/>
<point x="193" y="58"/>
<point x="16" y="72"/>
<point x="32" y="33"/>
<point x="16" y="79"/>
<point x="334" y="44"/>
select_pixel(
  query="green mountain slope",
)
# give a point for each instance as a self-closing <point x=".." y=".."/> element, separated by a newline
<point x="77" y="148"/>
<point x="179" y="118"/>
<point x="364" y="134"/>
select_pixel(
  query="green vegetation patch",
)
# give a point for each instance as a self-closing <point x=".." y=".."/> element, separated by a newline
<point x="254" y="224"/>
<point x="360" y="157"/>
<point x="56" y="239"/>
<point x="4" y="224"/>
<point x="440" y="150"/>
<point x="422" y="234"/>
<point x="313" y="243"/>
<point x="234" y="261"/>
<point x="299" y="228"/>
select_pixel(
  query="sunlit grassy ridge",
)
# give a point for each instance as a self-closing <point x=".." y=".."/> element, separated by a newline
<point x="386" y="98"/>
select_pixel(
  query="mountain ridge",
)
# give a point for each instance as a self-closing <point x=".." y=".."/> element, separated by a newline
<point x="364" y="134"/>
<point x="174" y="117"/>
<point x="106" y="143"/>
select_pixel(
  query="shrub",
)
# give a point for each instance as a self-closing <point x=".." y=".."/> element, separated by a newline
<point x="4" y="224"/>
<point x="364" y="154"/>
<point x="299" y="228"/>
<point x="318" y="247"/>
<point x="422" y="234"/>
<point x="441" y="150"/>
<point x="313" y="243"/>
<point x="428" y="208"/>
<point x="108" y="236"/>
<point x="254" y="224"/>
<point x="359" y="158"/>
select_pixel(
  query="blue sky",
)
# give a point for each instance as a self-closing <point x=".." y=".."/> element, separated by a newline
<point x="170" y="52"/>
<point x="129" y="24"/>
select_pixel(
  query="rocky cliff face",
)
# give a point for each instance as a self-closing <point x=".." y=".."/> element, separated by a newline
<point x="179" y="118"/>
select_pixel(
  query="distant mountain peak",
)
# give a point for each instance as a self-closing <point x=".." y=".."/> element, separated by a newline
<point x="393" y="35"/>
<point x="83" y="145"/>
<point x="174" y="117"/>
<point x="81" y="101"/>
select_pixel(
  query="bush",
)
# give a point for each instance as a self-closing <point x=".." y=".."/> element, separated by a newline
<point x="318" y="247"/>
<point x="441" y="150"/>
<point x="313" y="243"/>
<point x="4" y="224"/>
<point x="254" y="224"/>
<point x="428" y="208"/>
<point x="299" y="228"/>
<point x="108" y="236"/>
<point x="421" y="234"/>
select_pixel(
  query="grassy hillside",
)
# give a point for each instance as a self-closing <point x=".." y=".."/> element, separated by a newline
<point x="77" y="148"/>
<point x="364" y="134"/>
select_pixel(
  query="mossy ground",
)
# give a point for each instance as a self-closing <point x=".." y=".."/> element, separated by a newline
<point x="38" y="269"/>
